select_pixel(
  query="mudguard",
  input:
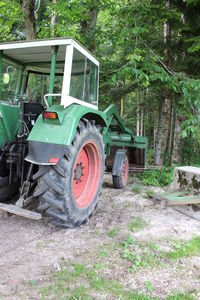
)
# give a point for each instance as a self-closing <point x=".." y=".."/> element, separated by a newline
<point x="48" y="138"/>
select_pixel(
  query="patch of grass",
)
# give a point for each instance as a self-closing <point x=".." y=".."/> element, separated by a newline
<point x="141" y="255"/>
<point x="81" y="282"/>
<point x="103" y="253"/>
<point x="112" y="232"/>
<point x="80" y="292"/>
<point x="180" y="297"/>
<point x="136" y="189"/>
<point x="158" y="177"/>
<point x="185" y="249"/>
<point x="79" y="269"/>
<point x="149" y="286"/>
<point x="99" y="266"/>
<point x="136" y="296"/>
<point x="149" y="193"/>
<point x="101" y="284"/>
<point x="137" y="224"/>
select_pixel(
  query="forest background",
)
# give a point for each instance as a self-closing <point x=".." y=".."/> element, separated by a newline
<point x="149" y="57"/>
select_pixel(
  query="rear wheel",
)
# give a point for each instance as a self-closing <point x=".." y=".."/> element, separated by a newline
<point x="68" y="192"/>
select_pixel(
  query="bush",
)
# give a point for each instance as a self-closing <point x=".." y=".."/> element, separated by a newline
<point x="158" y="177"/>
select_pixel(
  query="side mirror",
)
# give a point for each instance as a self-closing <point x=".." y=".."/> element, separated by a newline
<point x="6" y="78"/>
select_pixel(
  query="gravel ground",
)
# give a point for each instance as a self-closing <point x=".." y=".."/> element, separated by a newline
<point x="32" y="250"/>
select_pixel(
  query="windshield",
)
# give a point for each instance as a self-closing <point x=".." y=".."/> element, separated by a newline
<point x="84" y="78"/>
<point x="38" y="86"/>
<point x="9" y="80"/>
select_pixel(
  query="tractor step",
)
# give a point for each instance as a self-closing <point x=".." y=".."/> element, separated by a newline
<point x="13" y="209"/>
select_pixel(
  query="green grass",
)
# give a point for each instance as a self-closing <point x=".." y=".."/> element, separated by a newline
<point x="81" y="282"/>
<point x="149" y="193"/>
<point x="80" y="292"/>
<point x="148" y="254"/>
<point x="136" y="189"/>
<point x="137" y="224"/>
<point x="141" y="255"/>
<point x="180" y="297"/>
<point x="149" y="286"/>
<point x="112" y="232"/>
<point x="103" y="253"/>
<point x="184" y="249"/>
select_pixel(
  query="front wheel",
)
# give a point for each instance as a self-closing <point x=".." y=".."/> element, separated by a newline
<point x="121" y="181"/>
<point x="68" y="192"/>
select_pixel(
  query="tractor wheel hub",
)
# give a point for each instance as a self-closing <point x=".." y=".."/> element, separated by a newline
<point x="78" y="172"/>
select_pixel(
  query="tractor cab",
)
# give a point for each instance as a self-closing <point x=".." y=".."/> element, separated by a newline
<point x="58" y="71"/>
<point x="44" y="73"/>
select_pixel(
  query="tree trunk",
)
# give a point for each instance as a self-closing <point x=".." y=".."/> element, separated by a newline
<point x="159" y="134"/>
<point x="169" y="134"/>
<point x="28" y="7"/>
<point x="172" y="135"/>
<point x="168" y="103"/>
<point x="53" y="18"/>
<point x="88" y="26"/>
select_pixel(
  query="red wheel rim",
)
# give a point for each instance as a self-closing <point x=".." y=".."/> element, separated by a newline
<point x="86" y="174"/>
<point x="124" y="172"/>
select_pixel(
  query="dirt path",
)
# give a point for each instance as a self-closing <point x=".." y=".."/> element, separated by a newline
<point x="33" y="250"/>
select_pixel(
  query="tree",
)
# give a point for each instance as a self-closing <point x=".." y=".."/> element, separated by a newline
<point x="28" y="10"/>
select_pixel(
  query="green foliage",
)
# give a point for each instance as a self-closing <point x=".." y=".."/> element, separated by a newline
<point x="158" y="177"/>
<point x="127" y="38"/>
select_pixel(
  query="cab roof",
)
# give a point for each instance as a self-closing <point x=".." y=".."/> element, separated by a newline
<point x="23" y="52"/>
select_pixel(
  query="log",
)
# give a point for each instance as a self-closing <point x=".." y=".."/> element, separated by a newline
<point x="13" y="209"/>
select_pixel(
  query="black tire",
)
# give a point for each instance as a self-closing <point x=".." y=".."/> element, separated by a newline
<point x="120" y="181"/>
<point x="7" y="191"/>
<point x="56" y="186"/>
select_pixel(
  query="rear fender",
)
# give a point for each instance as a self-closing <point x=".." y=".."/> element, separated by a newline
<point x="47" y="140"/>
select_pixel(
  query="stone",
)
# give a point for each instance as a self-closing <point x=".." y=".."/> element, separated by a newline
<point x="187" y="178"/>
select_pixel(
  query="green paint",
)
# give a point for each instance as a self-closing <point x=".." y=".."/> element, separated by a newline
<point x="9" y="122"/>
<point x="64" y="132"/>
<point x="52" y="74"/>
<point x="95" y="83"/>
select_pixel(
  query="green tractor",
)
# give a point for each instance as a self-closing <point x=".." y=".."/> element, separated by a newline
<point x="55" y="143"/>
